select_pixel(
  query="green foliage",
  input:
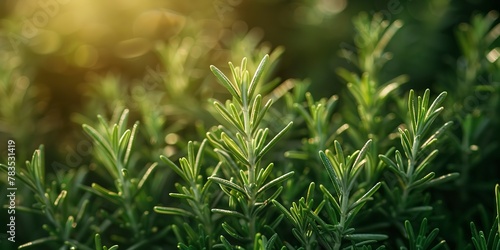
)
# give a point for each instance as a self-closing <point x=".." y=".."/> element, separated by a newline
<point x="197" y="194"/>
<point x="343" y="172"/>
<point x="412" y="171"/>
<point x="241" y="146"/>
<point x="423" y="240"/>
<point x="492" y="240"/>
<point x="338" y="210"/>
<point x="113" y="146"/>
<point x="99" y="246"/>
<point x="61" y="204"/>
<point x="371" y="94"/>
<point x="382" y="163"/>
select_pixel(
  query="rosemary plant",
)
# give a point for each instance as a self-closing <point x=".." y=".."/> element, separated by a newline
<point x="340" y="208"/>
<point x="241" y="146"/>
<point x="64" y="208"/>
<point x="423" y="240"/>
<point x="371" y="113"/>
<point x="113" y="149"/>
<point x="414" y="170"/>
<point x="202" y="233"/>
<point x="361" y="168"/>
<point x="492" y="240"/>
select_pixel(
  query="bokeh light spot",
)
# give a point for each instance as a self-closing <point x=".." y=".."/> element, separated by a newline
<point x="332" y="7"/>
<point x="158" y="24"/>
<point x="86" y="56"/>
<point x="66" y="23"/>
<point x="131" y="48"/>
<point x="172" y="138"/>
<point x="45" y="42"/>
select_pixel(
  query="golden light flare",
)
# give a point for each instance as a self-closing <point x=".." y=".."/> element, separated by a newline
<point x="331" y="7"/>
<point x="132" y="48"/>
<point x="67" y="23"/>
<point x="45" y="42"/>
<point x="95" y="33"/>
<point x="89" y="33"/>
<point x="158" y="24"/>
<point x="86" y="56"/>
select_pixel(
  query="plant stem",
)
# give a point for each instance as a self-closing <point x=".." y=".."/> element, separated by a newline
<point x="251" y="160"/>
<point x="344" y="207"/>
<point x="127" y="200"/>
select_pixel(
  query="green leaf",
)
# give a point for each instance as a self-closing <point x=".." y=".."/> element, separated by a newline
<point x="245" y="99"/>
<point x="423" y="181"/>
<point x="497" y="203"/>
<point x="257" y="75"/>
<point x="181" y="196"/>
<point x="409" y="231"/>
<point x="225" y="82"/>
<point x="226" y="243"/>
<point x="228" y="117"/>
<point x="229" y="213"/>
<point x="69" y="225"/>
<point x="235" y="72"/>
<point x="60" y="198"/>
<point x="114" y="139"/>
<point x="255" y="110"/>
<point x="425" y="162"/>
<point x="275" y="182"/>
<point x="123" y="143"/>
<point x="131" y="140"/>
<point x="172" y="211"/>
<point x="227" y="184"/>
<point x="174" y="167"/>
<point x="284" y="211"/>
<point x="436" y="135"/>
<point x="38" y="241"/>
<point x="231" y="231"/>
<point x="476" y="238"/>
<point x="260" y="139"/>
<point x="273" y="141"/>
<point x="390" y="86"/>
<point x="366" y="196"/>
<point x="442" y="179"/>
<point x="330" y="198"/>
<point x="234" y="148"/>
<point x="334" y="177"/>
<point x="310" y="192"/>
<point x="275" y="194"/>
<point x="363" y="237"/>
<point x="434" y="106"/>
<point x="146" y="176"/>
<point x="98" y="244"/>
<point x="235" y="115"/>
<point x="360" y="159"/>
<point x="105" y="193"/>
<point x="264" y="173"/>
<point x="331" y="171"/>
<point x="187" y="169"/>
<point x="392" y="166"/>
<point x="37" y="168"/>
<point x="22" y="176"/>
<point x="340" y="153"/>
<point x="199" y="156"/>
<point x="100" y="141"/>
<point x="261" y="115"/>
<point x="122" y="123"/>
<point x="419" y="209"/>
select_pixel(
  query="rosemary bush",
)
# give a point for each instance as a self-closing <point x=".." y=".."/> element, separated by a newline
<point x="234" y="158"/>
